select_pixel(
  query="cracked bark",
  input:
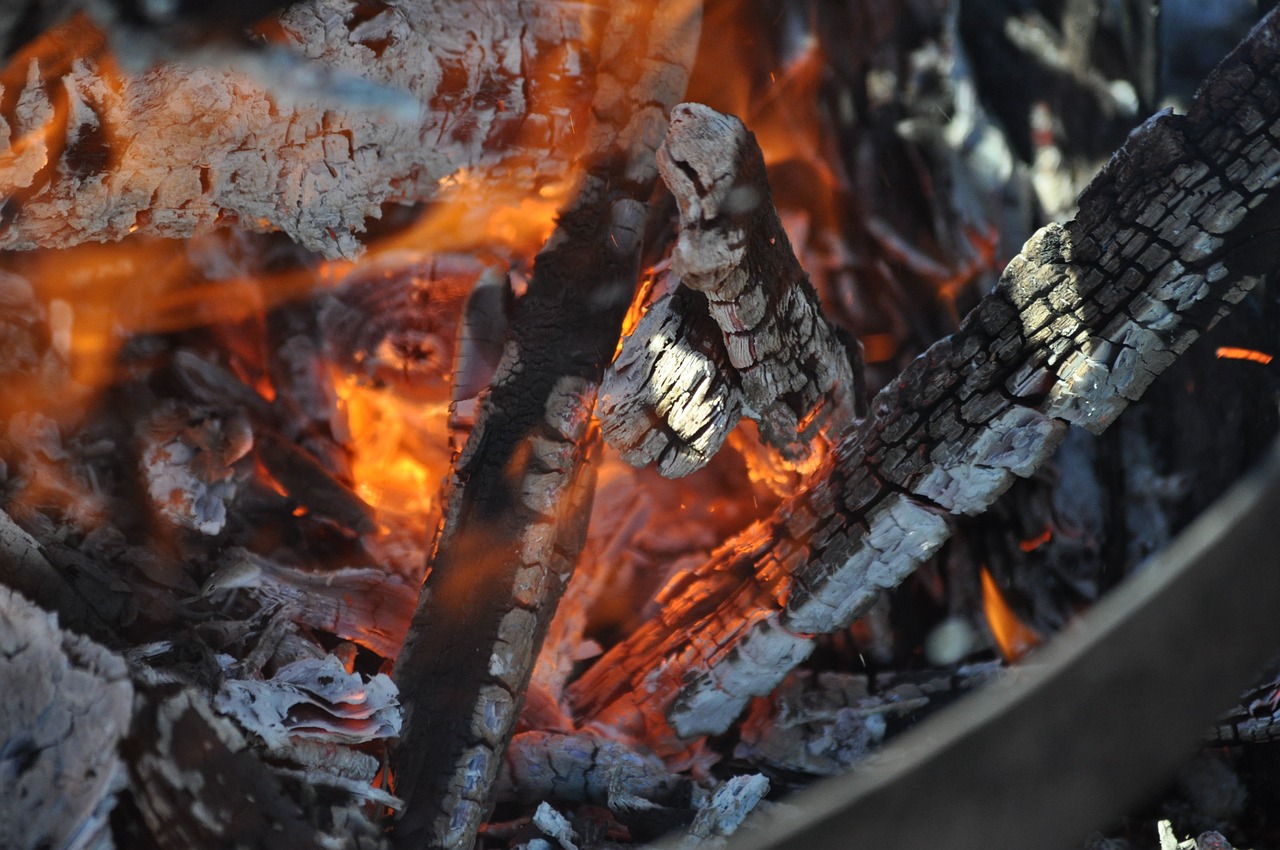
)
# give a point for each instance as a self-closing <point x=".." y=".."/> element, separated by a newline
<point x="520" y="491"/>
<point x="741" y="334"/>
<point x="407" y="96"/>
<point x="1170" y="235"/>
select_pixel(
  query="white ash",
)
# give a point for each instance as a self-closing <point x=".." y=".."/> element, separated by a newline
<point x="315" y="699"/>
<point x="187" y="462"/>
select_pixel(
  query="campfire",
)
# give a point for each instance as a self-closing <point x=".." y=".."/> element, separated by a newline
<point x="439" y="424"/>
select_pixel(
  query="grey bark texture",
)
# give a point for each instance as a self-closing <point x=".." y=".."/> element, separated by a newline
<point x="1169" y="236"/>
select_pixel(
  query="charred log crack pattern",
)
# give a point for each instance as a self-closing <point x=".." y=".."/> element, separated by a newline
<point x="1082" y="320"/>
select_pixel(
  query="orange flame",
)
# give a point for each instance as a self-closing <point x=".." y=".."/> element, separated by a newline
<point x="399" y="448"/>
<point x="1014" y="637"/>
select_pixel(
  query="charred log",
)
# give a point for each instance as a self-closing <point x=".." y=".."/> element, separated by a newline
<point x="520" y="492"/>
<point x="405" y="97"/>
<point x="677" y="388"/>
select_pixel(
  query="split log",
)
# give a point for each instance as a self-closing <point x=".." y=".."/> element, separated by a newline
<point x="399" y="98"/>
<point x="520" y="491"/>
<point x="677" y="387"/>
<point x="1170" y="235"/>
<point x="65" y="704"/>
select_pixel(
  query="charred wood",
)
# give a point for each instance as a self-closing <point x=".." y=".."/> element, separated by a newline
<point x="416" y="92"/>
<point x="1166" y="242"/>
<point x="197" y="783"/>
<point x="677" y="388"/>
<point x="520" y="492"/>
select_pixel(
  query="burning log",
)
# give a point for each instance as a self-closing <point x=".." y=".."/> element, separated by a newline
<point x="676" y="390"/>
<point x="520" y="492"/>
<point x="1166" y="241"/>
<point x="389" y="102"/>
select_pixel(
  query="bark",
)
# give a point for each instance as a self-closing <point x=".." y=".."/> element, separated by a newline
<point x="520" y="491"/>
<point x="65" y="704"/>
<point x="1168" y="238"/>
<point x="677" y="387"/>
<point x="353" y="110"/>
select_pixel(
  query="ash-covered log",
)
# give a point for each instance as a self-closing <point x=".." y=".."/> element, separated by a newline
<point x="360" y="104"/>
<point x="1168" y="238"/>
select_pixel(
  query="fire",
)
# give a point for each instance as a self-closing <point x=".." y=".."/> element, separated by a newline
<point x="1250" y="354"/>
<point x="1014" y="637"/>
<point x="399" y="448"/>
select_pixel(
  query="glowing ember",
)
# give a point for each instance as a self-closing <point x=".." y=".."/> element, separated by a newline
<point x="1250" y="354"/>
<point x="1031" y="544"/>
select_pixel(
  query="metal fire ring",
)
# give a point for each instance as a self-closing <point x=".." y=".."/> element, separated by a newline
<point x="1086" y="728"/>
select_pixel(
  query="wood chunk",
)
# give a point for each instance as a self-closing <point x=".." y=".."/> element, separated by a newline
<point x="1082" y="321"/>
<point x="824" y="723"/>
<point x="366" y="606"/>
<point x="725" y="810"/>
<point x="675" y="391"/>
<point x="65" y="704"/>
<point x="185" y="458"/>
<point x="581" y="767"/>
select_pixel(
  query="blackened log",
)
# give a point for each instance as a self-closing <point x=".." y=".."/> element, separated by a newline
<point x="1170" y="235"/>
<point x="520" y="491"/>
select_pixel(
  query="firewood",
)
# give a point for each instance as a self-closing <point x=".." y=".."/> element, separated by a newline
<point x="822" y="724"/>
<point x="677" y="388"/>
<point x="368" y="606"/>
<point x="88" y="152"/>
<point x="197" y="783"/>
<point x="65" y="704"/>
<point x="520" y="491"/>
<point x="1167" y="240"/>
